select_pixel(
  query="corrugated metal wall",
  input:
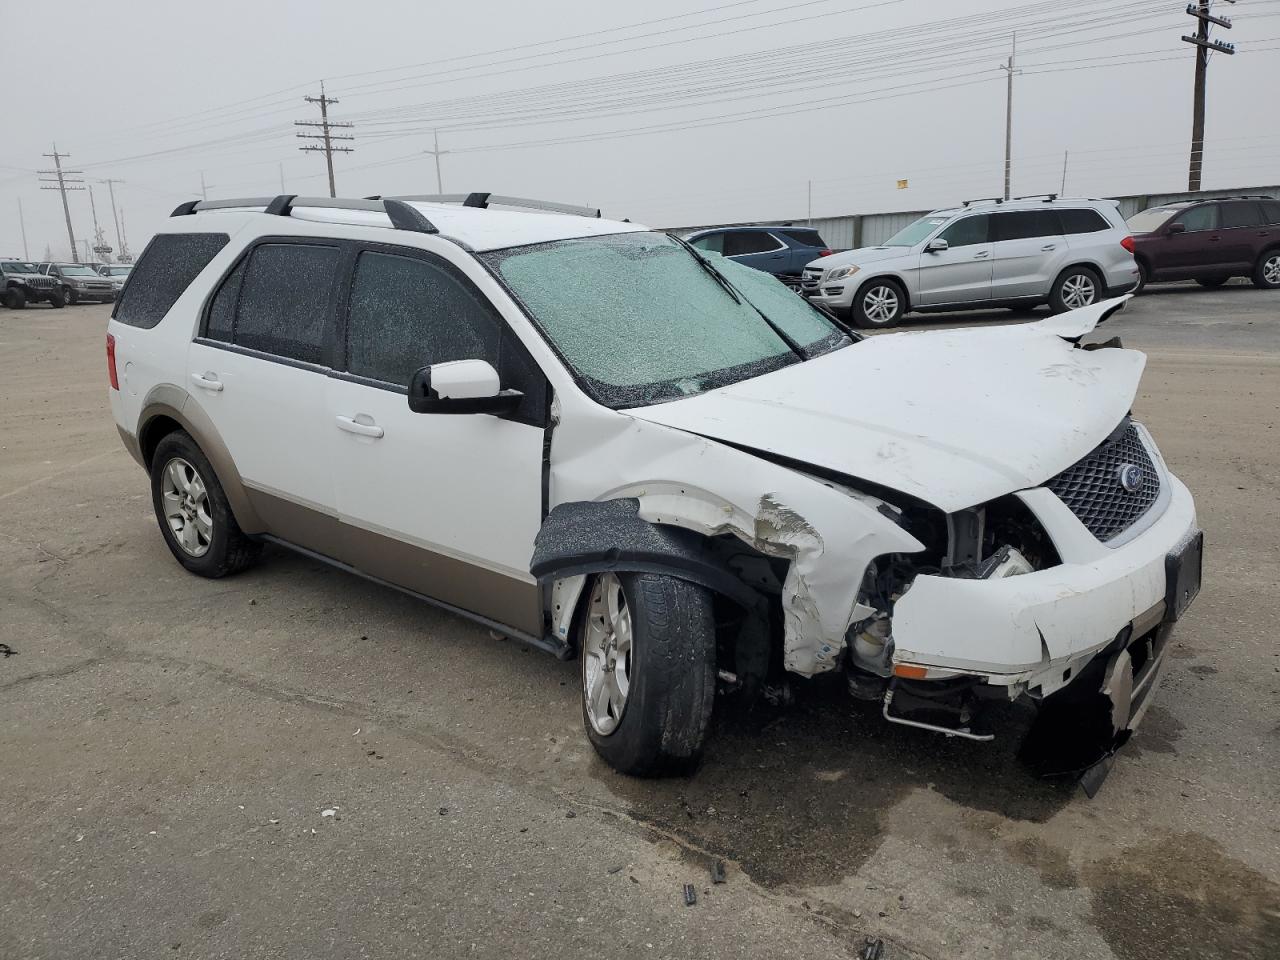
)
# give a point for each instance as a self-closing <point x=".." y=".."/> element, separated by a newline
<point x="868" y="229"/>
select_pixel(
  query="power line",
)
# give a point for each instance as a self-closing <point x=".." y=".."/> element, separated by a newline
<point x="61" y="178"/>
<point x="326" y="135"/>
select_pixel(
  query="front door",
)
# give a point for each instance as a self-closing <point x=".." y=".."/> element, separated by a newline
<point x="445" y="505"/>
<point x="259" y="369"/>
<point x="962" y="273"/>
<point x="1197" y="247"/>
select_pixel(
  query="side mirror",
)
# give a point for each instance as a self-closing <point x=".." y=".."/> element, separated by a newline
<point x="1173" y="228"/>
<point x="460" y="386"/>
<point x="937" y="245"/>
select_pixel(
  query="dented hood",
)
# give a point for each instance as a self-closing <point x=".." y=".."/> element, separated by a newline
<point x="953" y="417"/>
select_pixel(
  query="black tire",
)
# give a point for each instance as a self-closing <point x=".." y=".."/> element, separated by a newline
<point x="14" y="298"/>
<point x="1266" y="272"/>
<point x="1142" y="279"/>
<point x="667" y="712"/>
<point x="1057" y="301"/>
<point x="880" y="289"/>
<point x="229" y="549"/>
<point x="70" y="296"/>
<point x="1212" y="282"/>
<point x="57" y="300"/>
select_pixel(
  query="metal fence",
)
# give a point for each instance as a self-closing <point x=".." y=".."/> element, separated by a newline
<point x="868" y="229"/>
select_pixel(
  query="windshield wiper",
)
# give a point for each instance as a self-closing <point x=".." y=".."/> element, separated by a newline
<point x="721" y="279"/>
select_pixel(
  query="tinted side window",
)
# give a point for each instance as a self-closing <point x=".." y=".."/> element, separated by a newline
<point x="1272" y="210"/>
<point x="1026" y="225"/>
<point x="165" y="269"/>
<point x="967" y="231"/>
<point x="714" y="242"/>
<point x="407" y="312"/>
<point x="1242" y="213"/>
<point x="1082" y="221"/>
<point x="749" y="241"/>
<point x="809" y="238"/>
<point x="1200" y="218"/>
<point x="284" y="300"/>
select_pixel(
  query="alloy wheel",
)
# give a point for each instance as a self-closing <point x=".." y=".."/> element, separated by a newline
<point x="186" y="507"/>
<point x="1078" y="290"/>
<point x="606" y="655"/>
<point x="1271" y="270"/>
<point x="880" y="304"/>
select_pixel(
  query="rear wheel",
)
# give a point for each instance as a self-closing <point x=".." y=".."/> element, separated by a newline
<point x="194" y="514"/>
<point x="1267" y="272"/>
<point x="1142" y="278"/>
<point x="879" y="304"/>
<point x="1212" y="282"/>
<point x="648" y="649"/>
<point x="15" y="299"/>
<point x="1075" y="287"/>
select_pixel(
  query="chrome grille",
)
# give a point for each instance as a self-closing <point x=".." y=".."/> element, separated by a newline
<point x="810" y="279"/>
<point x="1094" y="492"/>
<point x="40" y="281"/>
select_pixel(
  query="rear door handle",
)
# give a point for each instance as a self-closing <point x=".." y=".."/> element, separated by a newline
<point x="352" y="425"/>
<point x="207" y="381"/>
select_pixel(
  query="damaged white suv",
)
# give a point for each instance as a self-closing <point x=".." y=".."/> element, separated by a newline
<point x="601" y="441"/>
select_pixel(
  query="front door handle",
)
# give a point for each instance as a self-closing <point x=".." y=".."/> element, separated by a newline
<point x="353" y="425"/>
<point x="1214" y="239"/>
<point x="984" y="253"/>
<point x="207" y="381"/>
<point x="1049" y="246"/>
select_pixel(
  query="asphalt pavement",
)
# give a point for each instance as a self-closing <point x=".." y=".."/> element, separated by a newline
<point x="295" y="763"/>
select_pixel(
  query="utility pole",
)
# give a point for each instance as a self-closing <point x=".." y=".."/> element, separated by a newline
<point x="204" y="191"/>
<point x="437" y="153"/>
<point x="23" y="221"/>
<point x="282" y="189"/>
<point x="1203" y="45"/>
<point x="1008" y="117"/>
<point x="1063" y="191"/>
<point x="810" y="220"/>
<point x="100" y="246"/>
<point x="111" y="188"/>
<point x="325" y="135"/>
<point x="125" y="256"/>
<point x="62" y="179"/>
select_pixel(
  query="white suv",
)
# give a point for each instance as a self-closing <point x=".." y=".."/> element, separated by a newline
<point x="601" y="441"/>
<point x="1017" y="253"/>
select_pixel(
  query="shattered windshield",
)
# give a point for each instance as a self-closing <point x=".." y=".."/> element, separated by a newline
<point x="639" y="319"/>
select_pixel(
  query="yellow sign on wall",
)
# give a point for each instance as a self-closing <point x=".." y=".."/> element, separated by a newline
<point x="902" y="184"/>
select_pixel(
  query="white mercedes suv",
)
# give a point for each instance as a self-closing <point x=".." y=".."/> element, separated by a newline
<point x="601" y="441"/>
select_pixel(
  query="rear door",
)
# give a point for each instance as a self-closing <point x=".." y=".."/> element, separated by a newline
<point x="259" y="369"/>
<point x="1027" y="246"/>
<point x="1240" y="222"/>
<point x="962" y="272"/>
<point x="446" y="505"/>
<point x="757" y="248"/>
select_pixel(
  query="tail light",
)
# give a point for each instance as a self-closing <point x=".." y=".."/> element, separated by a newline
<point x="825" y="253"/>
<point x="111" y="362"/>
<point x="1127" y="243"/>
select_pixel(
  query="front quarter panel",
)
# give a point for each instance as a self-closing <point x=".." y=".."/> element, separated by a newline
<point x="688" y="481"/>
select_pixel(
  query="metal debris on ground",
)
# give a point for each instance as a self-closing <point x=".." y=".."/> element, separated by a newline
<point x="690" y="895"/>
<point x="873" y="949"/>
<point x="7" y="651"/>
<point x="717" y="872"/>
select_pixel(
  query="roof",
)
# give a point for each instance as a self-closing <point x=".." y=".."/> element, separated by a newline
<point x="737" y="228"/>
<point x="477" y="227"/>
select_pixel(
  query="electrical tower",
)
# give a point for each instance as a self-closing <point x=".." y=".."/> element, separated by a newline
<point x="1203" y="45"/>
<point x="62" y="179"/>
<point x="100" y="245"/>
<point x="124" y="250"/>
<point x="325" y="135"/>
<point x="437" y="153"/>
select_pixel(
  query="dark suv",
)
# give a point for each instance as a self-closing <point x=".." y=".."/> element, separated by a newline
<point x="1209" y="241"/>
<point x="782" y="250"/>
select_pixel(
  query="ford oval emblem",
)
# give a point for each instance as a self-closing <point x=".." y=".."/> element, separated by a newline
<point x="1130" y="475"/>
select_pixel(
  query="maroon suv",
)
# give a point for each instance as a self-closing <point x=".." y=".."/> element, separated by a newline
<point x="1209" y="241"/>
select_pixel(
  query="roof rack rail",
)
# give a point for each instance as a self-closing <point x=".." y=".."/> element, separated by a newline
<point x="401" y="214"/>
<point x="483" y="200"/>
<point x="984" y="200"/>
<point x="1048" y="197"/>
<point x="1243" y="196"/>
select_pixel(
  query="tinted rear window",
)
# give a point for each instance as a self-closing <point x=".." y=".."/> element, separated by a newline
<point x="810" y="238"/>
<point x="1026" y="224"/>
<point x="165" y="269"/>
<point x="744" y="242"/>
<point x="1242" y="213"/>
<point x="1082" y="221"/>
<point x="1272" y="210"/>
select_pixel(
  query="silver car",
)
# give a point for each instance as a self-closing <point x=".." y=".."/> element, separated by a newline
<point x="986" y="253"/>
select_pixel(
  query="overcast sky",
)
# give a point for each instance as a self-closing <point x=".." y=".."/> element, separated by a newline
<point x="670" y="112"/>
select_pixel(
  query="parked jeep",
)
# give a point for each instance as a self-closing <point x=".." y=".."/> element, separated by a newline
<point x="24" y="283"/>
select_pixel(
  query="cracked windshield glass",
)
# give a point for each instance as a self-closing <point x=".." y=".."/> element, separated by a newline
<point x="640" y="319"/>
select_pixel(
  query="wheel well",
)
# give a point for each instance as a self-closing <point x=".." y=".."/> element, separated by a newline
<point x="1265" y="251"/>
<point x="896" y="281"/>
<point x="155" y="430"/>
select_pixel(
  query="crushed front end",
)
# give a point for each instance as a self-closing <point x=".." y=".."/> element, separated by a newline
<point x="1063" y="595"/>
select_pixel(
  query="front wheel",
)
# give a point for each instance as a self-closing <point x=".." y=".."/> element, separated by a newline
<point x="1075" y="287"/>
<point x="648" y="648"/>
<point x="70" y="296"/>
<point x="879" y="304"/>
<point x="1267" y="273"/>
